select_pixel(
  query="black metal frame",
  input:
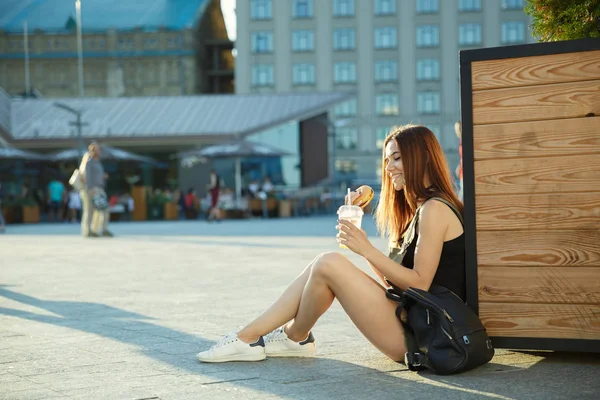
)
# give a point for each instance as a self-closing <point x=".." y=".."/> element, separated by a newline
<point x="466" y="93"/>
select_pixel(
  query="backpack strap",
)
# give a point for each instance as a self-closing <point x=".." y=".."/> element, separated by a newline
<point x="414" y="360"/>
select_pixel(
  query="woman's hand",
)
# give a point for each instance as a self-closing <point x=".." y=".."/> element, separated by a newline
<point x="353" y="238"/>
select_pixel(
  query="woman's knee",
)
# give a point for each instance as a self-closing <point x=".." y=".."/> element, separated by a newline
<point x="326" y="264"/>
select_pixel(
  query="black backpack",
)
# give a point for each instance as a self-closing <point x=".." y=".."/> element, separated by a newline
<point x="442" y="333"/>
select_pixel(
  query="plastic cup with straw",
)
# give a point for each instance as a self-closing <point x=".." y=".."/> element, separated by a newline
<point x="350" y="213"/>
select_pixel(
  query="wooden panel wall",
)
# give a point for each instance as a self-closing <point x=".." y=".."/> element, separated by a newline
<point x="536" y="139"/>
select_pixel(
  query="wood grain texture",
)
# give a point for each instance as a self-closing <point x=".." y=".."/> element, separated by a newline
<point x="535" y="103"/>
<point x="541" y="320"/>
<point x="537" y="175"/>
<point x="539" y="285"/>
<point x="561" y="248"/>
<point x="576" y="211"/>
<point x="536" y="70"/>
<point x="529" y="139"/>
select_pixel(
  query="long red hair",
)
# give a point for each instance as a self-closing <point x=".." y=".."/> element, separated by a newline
<point x="422" y="155"/>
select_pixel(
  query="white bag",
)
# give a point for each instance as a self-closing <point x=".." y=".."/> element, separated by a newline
<point x="76" y="181"/>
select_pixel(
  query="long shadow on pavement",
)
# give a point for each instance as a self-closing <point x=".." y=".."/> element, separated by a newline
<point x="305" y="378"/>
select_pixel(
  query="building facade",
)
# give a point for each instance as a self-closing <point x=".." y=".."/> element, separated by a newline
<point x="400" y="57"/>
<point x="153" y="51"/>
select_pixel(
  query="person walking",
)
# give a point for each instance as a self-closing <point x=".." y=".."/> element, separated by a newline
<point x="94" y="221"/>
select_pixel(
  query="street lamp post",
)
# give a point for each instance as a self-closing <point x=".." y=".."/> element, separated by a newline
<point x="78" y="123"/>
<point x="79" y="46"/>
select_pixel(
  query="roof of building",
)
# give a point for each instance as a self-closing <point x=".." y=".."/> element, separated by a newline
<point x="160" y="117"/>
<point x="100" y="15"/>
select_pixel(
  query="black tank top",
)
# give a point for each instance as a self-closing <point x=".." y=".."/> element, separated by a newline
<point x="451" y="269"/>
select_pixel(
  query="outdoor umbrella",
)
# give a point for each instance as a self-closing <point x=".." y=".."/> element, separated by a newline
<point x="9" y="153"/>
<point x="108" y="152"/>
<point x="237" y="150"/>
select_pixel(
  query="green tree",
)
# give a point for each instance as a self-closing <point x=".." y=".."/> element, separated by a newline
<point x="555" y="20"/>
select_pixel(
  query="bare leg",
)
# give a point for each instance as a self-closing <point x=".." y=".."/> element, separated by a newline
<point x="363" y="299"/>
<point x="280" y="312"/>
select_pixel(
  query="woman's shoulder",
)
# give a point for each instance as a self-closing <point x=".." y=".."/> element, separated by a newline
<point x="436" y="210"/>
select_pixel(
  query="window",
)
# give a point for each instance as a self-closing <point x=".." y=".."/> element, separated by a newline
<point x="92" y="44"/>
<point x="343" y="8"/>
<point x="428" y="102"/>
<point x="428" y="36"/>
<point x="512" y="4"/>
<point x="344" y="39"/>
<point x="385" y="7"/>
<point x="469" y="34"/>
<point x="386" y="70"/>
<point x="262" y="75"/>
<point x="346" y="109"/>
<point x="174" y="42"/>
<point x="346" y="138"/>
<point x="303" y="40"/>
<point x="149" y="43"/>
<point x="262" y="42"/>
<point x="513" y="32"/>
<point x="126" y="44"/>
<point x="344" y="72"/>
<point x="385" y="38"/>
<point x="469" y="5"/>
<point x="345" y="166"/>
<point x="303" y="74"/>
<point x="427" y="6"/>
<point x="428" y="69"/>
<point x="18" y="44"/>
<point x="302" y="9"/>
<point x="260" y="9"/>
<point x="380" y="134"/>
<point x="387" y="104"/>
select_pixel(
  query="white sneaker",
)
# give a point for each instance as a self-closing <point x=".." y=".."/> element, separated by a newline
<point x="231" y="348"/>
<point x="278" y="344"/>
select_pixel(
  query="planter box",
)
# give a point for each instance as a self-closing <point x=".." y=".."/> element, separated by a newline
<point x="531" y="123"/>
<point x="31" y="214"/>
<point x="285" y="208"/>
<point x="171" y="211"/>
<point x="12" y="215"/>
<point x="138" y="193"/>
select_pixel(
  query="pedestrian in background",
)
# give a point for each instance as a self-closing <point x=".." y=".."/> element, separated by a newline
<point x="95" y="216"/>
<point x="56" y="192"/>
